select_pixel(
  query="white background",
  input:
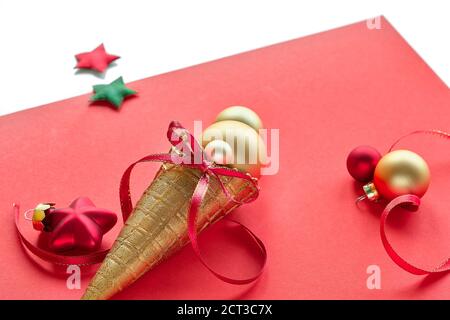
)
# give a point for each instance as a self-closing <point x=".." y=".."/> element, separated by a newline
<point x="38" y="39"/>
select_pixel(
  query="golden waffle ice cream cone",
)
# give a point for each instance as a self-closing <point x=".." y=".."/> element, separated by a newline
<point x="158" y="225"/>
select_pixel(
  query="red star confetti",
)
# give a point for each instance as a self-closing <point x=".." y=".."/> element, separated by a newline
<point x="98" y="59"/>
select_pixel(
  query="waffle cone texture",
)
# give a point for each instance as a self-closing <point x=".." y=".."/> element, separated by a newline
<point x="157" y="227"/>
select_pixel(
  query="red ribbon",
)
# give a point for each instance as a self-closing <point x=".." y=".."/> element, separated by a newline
<point x="407" y="199"/>
<point x="191" y="155"/>
<point x="413" y="200"/>
<point x="438" y="133"/>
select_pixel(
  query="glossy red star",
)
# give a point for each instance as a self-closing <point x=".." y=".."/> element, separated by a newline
<point x="81" y="226"/>
<point x="98" y="59"/>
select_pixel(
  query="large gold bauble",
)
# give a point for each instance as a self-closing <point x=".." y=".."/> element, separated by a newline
<point x="241" y="114"/>
<point x="401" y="172"/>
<point x="249" y="150"/>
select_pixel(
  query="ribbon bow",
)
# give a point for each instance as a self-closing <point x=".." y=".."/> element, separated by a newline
<point x="187" y="152"/>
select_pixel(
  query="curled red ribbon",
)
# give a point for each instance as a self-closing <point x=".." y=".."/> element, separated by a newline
<point x="434" y="132"/>
<point x="402" y="200"/>
<point x="413" y="200"/>
<point x="196" y="158"/>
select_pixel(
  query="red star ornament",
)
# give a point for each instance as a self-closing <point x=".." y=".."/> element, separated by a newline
<point x="98" y="59"/>
<point x="80" y="226"/>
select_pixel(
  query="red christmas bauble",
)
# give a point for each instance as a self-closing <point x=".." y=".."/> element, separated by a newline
<point x="80" y="226"/>
<point x="361" y="163"/>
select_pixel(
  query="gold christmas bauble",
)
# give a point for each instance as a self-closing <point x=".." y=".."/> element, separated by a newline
<point x="249" y="150"/>
<point x="241" y="114"/>
<point x="220" y="152"/>
<point x="401" y="172"/>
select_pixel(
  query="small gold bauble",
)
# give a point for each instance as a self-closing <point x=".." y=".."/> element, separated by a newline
<point x="220" y="152"/>
<point x="249" y="150"/>
<point x="242" y="114"/>
<point x="401" y="172"/>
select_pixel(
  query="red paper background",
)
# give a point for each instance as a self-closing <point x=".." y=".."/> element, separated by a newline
<point x="327" y="93"/>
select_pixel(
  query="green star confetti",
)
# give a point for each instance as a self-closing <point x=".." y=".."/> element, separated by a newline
<point x="114" y="93"/>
